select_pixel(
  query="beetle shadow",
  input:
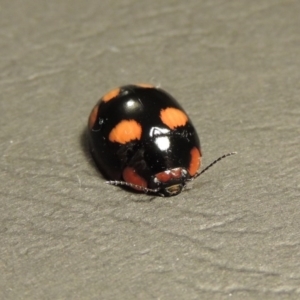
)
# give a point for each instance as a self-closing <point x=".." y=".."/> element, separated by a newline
<point x="84" y="144"/>
<point x="141" y="200"/>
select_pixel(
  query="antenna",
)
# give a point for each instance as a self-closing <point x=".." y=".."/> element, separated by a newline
<point x="210" y="165"/>
<point x="134" y="186"/>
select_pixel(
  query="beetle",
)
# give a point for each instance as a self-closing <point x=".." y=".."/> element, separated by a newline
<point x="141" y="137"/>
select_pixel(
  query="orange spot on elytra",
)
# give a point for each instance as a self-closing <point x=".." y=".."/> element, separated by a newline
<point x="145" y="85"/>
<point x="93" y="116"/>
<point x="195" y="161"/>
<point x="126" y="131"/>
<point x="173" y="117"/>
<point x="130" y="175"/>
<point x="111" y="94"/>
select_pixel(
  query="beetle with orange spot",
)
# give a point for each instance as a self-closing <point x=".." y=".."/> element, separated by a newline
<point x="141" y="137"/>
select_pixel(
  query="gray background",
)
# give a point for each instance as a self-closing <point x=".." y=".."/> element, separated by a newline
<point x="234" y="66"/>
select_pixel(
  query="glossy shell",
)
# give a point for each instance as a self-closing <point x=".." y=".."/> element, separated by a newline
<point x="142" y="131"/>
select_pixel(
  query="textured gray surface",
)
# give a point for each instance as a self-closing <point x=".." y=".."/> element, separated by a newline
<point x="234" y="66"/>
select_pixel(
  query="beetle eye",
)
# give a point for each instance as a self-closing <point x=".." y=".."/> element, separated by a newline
<point x="156" y="180"/>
